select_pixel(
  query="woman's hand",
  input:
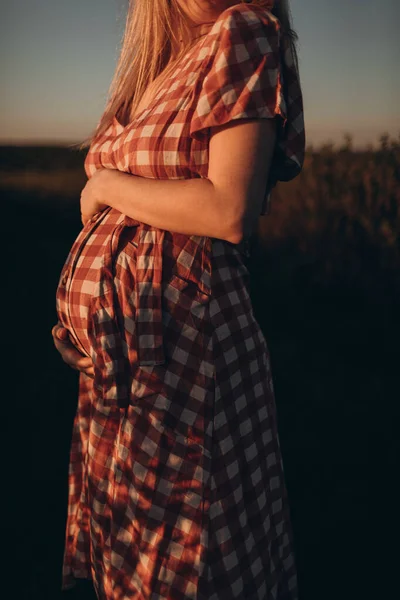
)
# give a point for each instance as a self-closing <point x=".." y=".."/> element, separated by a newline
<point x="94" y="195"/>
<point x="69" y="353"/>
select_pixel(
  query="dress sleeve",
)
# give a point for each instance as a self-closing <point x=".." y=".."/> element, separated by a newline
<point x="243" y="76"/>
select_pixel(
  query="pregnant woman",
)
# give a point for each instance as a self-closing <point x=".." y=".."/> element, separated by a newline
<point x="176" y="484"/>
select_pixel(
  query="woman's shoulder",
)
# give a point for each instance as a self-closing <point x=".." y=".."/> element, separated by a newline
<point x="241" y="25"/>
<point x="245" y="16"/>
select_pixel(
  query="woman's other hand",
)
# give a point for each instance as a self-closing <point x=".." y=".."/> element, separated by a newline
<point x="70" y="355"/>
<point x="93" y="195"/>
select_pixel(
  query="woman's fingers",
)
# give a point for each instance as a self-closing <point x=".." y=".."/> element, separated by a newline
<point x="56" y="328"/>
<point x="70" y="355"/>
<point x="74" y="359"/>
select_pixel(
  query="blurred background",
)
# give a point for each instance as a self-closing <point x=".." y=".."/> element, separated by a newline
<point x="325" y="284"/>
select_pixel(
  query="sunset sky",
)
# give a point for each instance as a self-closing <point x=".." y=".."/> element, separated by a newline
<point x="58" y="57"/>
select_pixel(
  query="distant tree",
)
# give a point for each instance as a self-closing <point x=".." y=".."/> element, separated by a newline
<point x="384" y="141"/>
<point x="348" y="143"/>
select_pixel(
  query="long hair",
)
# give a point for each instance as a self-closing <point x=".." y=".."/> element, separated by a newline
<point x="157" y="34"/>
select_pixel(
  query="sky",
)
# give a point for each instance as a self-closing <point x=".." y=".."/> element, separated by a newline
<point x="57" y="58"/>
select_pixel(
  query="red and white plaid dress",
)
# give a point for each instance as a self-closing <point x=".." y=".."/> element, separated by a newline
<point x="176" y="485"/>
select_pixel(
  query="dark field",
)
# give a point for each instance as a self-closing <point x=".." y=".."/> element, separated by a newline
<point x="326" y="292"/>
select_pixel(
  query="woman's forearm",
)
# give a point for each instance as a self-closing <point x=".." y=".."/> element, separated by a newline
<point x="188" y="206"/>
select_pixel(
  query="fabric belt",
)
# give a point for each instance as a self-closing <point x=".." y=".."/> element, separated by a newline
<point x="149" y="272"/>
<point x="106" y="331"/>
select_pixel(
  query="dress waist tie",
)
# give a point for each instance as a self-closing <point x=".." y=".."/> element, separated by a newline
<point x="108" y="336"/>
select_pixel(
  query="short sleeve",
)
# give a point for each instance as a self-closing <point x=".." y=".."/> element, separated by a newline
<point x="243" y="77"/>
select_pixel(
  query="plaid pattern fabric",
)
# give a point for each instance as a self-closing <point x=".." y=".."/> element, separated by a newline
<point x="176" y="483"/>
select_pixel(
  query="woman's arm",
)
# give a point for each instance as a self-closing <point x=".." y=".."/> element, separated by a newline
<point x="190" y="206"/>
<point x="226" y="205"/>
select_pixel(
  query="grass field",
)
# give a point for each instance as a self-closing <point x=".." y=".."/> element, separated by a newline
<point x="326" y="291"/>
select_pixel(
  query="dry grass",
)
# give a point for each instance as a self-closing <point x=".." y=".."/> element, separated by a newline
<point x="344" y="204"/>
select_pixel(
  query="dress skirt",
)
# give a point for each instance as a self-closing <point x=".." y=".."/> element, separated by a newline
<point x="176" y="483"/>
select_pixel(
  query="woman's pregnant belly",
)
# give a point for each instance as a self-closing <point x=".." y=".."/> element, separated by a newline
<point x="81" y="271"/>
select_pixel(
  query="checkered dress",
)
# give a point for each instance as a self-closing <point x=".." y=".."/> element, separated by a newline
<point x="176" y="485"/>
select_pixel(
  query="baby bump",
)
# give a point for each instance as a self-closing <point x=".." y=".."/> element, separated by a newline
<point x="81" y="272"/>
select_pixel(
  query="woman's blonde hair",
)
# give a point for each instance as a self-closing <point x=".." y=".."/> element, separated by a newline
<point x="157" y="34"/>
